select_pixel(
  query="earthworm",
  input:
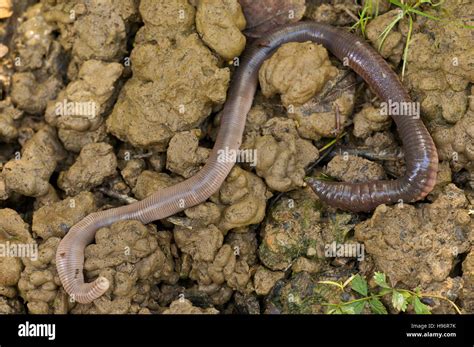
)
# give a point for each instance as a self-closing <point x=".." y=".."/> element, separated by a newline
<point x="421" y="155"/>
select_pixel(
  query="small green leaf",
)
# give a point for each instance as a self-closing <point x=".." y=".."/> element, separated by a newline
<point x="347" y="309"/>
<point x="396" y="2"/>
<point x="358" y="306"/>
<point x="420" y="308"/>
<point x="385" y="291"/>
<point x="359" y="284"/>
<point x="399" y="301"/>
<point x="380" y="279"/>
<point x="376" y="306"/>
<point x="335" y="310"/>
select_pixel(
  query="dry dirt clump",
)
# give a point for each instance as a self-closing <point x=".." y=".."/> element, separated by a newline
<point x="440" y="70"/>
<point x="184" y="306"/>
<point x="132" y="170"/>
<point x="281" y="154"/>
<point x="13" y="231"/>
<point x="4" y="192"/>
<point x="338" y="12"/>
<point x="149" y="182"/>
<point x="328" y="112"/>
<point x="5" y="9"/>
<point x="467" y="296"/>
<point x="78" y="110"/>
<point x="92" y="29"/>
<point x="456" y="144"/>
<point x="296" y="234"/>
<point x="133" y="257"/>
<point x="96" y="163"/>
<point x="417" y="246"/>
<point x="370" y="120"/>
<point x="175" y="86"/>
<point x="57" y="218"/>
<point x="168" y="92"/>
<point x="297" y="71"/>
<point x="38" y="63"/>
<point x="184" y="155"/>
<point x="29" y="174"/>
<point x="39" y="284"/>
<point x="94" y="72"/>
<point x="240" y="202"/>
<point x="302" y="294"/>
<point x="392" y="47"/>
<point x="264" y="279"/>
<point x="215" y="267"/>
<point x="166" y="19"/>
<point x="354" y="169"/>
<point x="221" y="264"/>
<point x="9" y="117"/>
<point x="242" y="199"/>
<point x="317" y="95"/>
<point x="219" y="23"/>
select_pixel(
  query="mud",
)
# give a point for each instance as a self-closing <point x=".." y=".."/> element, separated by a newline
<point x="282" y="154"/>
<point x="29" y="173"/>
<point x="431" y="238"/>
<point x="296" y="71"/>
<point x="56" y="218"/>
<point x="95" y="164"/>
<point x="132" y="257"/>
<point x="219" y="23"/>
<point x="168" y="91"/>
<point x="103" y="103"/>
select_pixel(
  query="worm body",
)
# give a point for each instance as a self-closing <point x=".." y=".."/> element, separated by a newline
<point x="421" y="155"/>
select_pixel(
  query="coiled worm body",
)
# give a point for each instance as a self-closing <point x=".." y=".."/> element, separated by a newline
<point x="420" y="152"/>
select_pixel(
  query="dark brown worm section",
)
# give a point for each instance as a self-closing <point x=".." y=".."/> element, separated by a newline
<point x="420" y="152"/>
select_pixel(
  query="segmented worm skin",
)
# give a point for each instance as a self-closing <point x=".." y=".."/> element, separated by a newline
<point x="421" y="155"/>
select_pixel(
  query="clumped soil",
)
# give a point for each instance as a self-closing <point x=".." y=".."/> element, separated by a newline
<point x="156" y="73"/>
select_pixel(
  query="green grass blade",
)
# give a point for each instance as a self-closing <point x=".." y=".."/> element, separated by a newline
<point x="383" y="35"/>
<point x="407" y="45"/>
<point x="424" y="14"/>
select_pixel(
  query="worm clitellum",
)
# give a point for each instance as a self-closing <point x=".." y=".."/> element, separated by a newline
<point x="420" y="152"/>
